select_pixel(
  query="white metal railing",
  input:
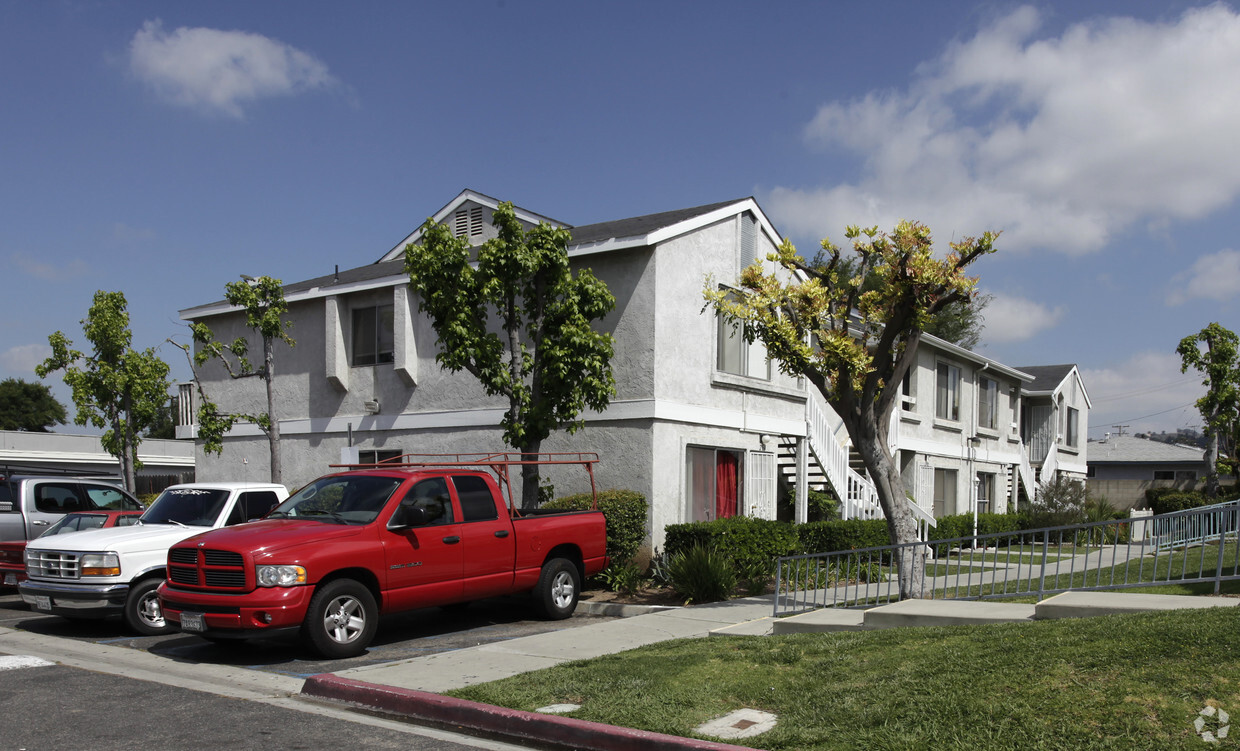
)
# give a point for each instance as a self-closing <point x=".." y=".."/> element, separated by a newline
<point x="1050" y="465"/>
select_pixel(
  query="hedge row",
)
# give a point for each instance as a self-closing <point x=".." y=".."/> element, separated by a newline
<point x="746" y="540"/>
<point x="625" y="511"/>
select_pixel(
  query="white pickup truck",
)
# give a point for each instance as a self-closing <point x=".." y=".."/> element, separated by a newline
<point x="104" y="572"/>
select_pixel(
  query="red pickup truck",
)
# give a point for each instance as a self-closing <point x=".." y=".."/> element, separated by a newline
<point x="382" y="539"/>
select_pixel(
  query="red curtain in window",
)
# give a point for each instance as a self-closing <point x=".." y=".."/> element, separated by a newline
<point x="725" y="485"/>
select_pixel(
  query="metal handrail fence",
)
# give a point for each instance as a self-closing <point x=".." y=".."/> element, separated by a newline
<point x="1028" y="563"/>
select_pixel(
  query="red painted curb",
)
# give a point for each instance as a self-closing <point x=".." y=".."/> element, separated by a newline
<point x="423" y="705"/>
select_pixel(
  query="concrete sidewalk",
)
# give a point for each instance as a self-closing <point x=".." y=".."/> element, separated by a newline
<point x="408" y="688"/>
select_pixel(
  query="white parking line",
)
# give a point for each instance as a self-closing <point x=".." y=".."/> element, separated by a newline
<point x="15" y="662"/>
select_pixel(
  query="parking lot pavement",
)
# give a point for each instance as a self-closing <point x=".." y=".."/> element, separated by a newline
<point x="407" y="635"/>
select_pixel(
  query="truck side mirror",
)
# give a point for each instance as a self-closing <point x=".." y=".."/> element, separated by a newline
<point x="407" y="517"/>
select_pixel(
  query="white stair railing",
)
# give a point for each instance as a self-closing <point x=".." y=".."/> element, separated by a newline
<point x="1026" y="474"/>
<point x="1051" y="464"/>
<point x="858" y="496"/>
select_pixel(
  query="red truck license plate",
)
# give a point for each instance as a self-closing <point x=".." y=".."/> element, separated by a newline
<point x="192" y="622"/>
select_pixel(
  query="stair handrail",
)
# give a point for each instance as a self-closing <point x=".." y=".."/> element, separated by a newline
<point x="1050" y="465"/>
<point x="1026" y="473"/>
<point x="858" y="495"/>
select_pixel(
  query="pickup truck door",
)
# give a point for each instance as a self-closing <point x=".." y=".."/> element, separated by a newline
<point x="490" y="545"/>
<point x="424" y="562"/>
<point x="46" y="502"/>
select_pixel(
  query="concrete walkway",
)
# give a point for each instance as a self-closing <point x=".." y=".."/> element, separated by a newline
<point x="408" y="688"/>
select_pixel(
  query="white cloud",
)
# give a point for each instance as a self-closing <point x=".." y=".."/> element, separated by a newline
<point x="1060" y="142"/>
<point x="219" y="71"/>
<point x="1015" y="319"/>
<point x="127" y="235"/>
<point x="1145" y="393"/>
<point x="1212" y="277"/>
<point x="23" y="359"/>
<point x="54" y="271"/>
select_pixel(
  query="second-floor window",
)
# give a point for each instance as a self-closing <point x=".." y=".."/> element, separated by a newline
<point x="1071" y="433"/>
<point x="987" y="403"/>
<point x="947" y="392"/>
<point x="738" y="356"/>
<point x="373" y="337"/>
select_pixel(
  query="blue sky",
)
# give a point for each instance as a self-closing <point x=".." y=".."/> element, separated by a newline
<point x="164" y="148"/>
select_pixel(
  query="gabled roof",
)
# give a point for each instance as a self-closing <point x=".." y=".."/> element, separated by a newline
<point x="1127" y="449"/>
<point x="651" y="229"/>
<point x="601" y="237"/>
<point x="1049" y="379"/>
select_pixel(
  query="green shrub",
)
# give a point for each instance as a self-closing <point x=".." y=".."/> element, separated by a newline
<point x="624" y="577"/>
<point x="626" y="512"/>
<point x="1169" y="500"/>
<point x="1058" y="503"/>
<point x="745" y="541"/>
<point x="851" y="534"/>
<point x="822" y="506"/>
<point x="701" y="574"/>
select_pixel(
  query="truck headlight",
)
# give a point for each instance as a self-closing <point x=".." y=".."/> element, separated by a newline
<point x="101" y="564"/>
<point x="280" y="576"/>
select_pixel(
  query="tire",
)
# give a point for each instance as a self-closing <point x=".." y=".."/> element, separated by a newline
<point x="342" y="619"/>
<point x="559" y="585"/>
<point x="142" y="611"/>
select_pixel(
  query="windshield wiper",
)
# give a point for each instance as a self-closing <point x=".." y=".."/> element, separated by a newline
<point x="335" y="517"/>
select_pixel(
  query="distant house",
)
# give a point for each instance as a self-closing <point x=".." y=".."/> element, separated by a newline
<point x="702" y="423"/>
<point x="1123" y="467"/>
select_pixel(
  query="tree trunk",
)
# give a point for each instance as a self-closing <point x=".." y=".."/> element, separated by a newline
<point x="1212" y="483"/>
<point x="273" y="420"/>
<point x="910" y="561"/>
<point x="127" y="447"/>
<point x="530" y="476"/>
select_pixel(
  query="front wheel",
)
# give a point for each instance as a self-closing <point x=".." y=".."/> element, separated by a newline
<point x="341" y="620"/>
<point x="142" y="611"/>
<point x="559" y="584"/>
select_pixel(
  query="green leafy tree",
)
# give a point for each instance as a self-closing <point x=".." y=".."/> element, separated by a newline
<point x="165" y="425"/>
<point x="855" y="344"/>
<point x="115" y="387"/>
<point x="1213" y="352"/>
<point x="28" y="406"/>
<point x="262" y="302"/>
<point x="545" y="358"/>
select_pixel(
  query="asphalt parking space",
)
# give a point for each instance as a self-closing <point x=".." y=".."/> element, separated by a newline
<point x="412" y="634"/>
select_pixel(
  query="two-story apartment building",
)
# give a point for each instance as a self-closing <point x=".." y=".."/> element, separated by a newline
<point x="699" y="418"/>
<point x="974" y="432"/>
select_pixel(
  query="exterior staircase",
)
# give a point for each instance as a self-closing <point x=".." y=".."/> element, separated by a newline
<point x="832" y="466"/>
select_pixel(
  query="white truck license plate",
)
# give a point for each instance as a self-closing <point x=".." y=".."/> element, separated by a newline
<point x="192" y="622"/>
<point x="42" y="602"/>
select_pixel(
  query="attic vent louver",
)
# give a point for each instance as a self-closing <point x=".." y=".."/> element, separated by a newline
<point x="467" y="222"/>
<point x="749" y="240"/>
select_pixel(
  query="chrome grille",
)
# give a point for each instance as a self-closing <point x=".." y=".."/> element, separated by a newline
<point x="52" y="565"/>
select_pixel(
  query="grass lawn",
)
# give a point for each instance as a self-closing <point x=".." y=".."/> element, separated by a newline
<point x="1123" y="682"/>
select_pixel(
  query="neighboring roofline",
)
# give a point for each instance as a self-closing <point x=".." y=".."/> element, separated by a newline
<point x="966" y="354"/>
<point x="451" y="206"/>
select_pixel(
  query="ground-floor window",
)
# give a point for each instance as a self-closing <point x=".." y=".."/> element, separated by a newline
<point x="985" y="492"/>
<point x="713" y="479"/>
<point x="944" y="492"/>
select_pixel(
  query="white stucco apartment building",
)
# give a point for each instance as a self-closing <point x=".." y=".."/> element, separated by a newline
<point x="700" y="423"/>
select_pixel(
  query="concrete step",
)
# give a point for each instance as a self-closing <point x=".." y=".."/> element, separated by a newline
<point x="756" y="627"/>
<point x="1089" y="604"/>
<point x="827" y="619"/>
<point x="946" y="613"/>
